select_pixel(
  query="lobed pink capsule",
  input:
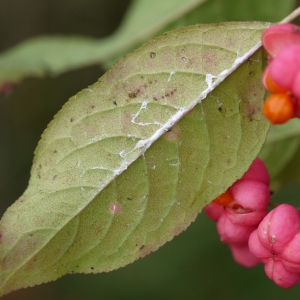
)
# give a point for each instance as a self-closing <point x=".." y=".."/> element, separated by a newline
<point x="276" y="243"/>
<point x="257" y="171"/>
<point x="277" y="37"/>
<point x="238" y="218"/>
<point x="243" y="256"/>
<point x="285" y="69"/>
<point x="253" y="195"/>
<point x="231" y="233"/>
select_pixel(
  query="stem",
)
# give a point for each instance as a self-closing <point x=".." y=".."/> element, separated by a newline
<point x="293" y="15"/>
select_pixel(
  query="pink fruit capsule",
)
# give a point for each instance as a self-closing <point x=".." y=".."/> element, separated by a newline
<point x="284" y="69"/>
<point x="214" y="211"/>
<point x="243" y="256"/>
<point x="257" y="172"/>
<point x="269" y="83"/>
<point x="231" y="233"/>
<point x="279" y="227"/>
<point x="250" y="194"/>
<point x="277" y="37"/>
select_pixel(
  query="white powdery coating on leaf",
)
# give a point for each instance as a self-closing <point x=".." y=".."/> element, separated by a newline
<point x="171" y="75"/>
<point x="143" y="106"/>
<point x="183" y="110"/>
<point x="209" y="79"/>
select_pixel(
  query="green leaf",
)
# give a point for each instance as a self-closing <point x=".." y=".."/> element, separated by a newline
<point x="129" y="162"/>
<point x="281" y="146"/>
<point x="56" y="54"/>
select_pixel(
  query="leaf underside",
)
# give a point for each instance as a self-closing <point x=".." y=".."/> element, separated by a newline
<point x="113" y="178"/>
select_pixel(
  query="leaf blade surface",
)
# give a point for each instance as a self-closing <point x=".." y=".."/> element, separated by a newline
<point x="129" y="162"/>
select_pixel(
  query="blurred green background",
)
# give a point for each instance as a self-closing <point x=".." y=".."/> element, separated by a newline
<point x="195" y="265"/>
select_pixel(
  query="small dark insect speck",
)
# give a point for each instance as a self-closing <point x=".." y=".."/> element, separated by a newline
<point x="132" y="95"/>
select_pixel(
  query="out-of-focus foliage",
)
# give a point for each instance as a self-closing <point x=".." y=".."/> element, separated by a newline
<point x="176" y="271"/>
<point x="53" y="55"/>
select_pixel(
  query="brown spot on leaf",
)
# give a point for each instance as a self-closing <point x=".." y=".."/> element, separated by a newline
<point x="251" y="111"/>
<point x="152" y="55"/>
<point x="132" y="95"/>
